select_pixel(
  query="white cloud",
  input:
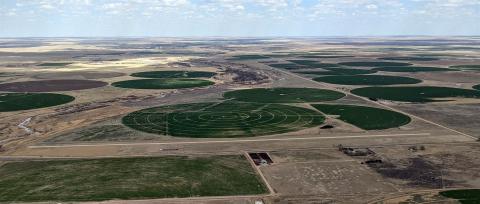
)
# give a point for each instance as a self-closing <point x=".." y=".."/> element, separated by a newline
<point x="371" y="7"/>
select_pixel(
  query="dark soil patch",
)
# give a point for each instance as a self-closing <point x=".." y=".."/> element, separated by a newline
<point x="51" y="85"/>
<point x="417" y="172"/>
<point x="173" y="83"/>
<point x="174" y="74"/>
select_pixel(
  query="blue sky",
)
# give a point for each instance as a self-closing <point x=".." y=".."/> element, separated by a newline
<point x="50" y="18"/>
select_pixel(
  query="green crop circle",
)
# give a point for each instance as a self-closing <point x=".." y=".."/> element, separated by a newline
<point x="367" y="80"/>
<point x="223" y="120"/>
<point x="27" y="101"/>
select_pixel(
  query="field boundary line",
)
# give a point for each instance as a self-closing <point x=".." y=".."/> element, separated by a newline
<point x="260" y="173"/>
<point x="229" y="141"/>
<point x="377" y="103"/>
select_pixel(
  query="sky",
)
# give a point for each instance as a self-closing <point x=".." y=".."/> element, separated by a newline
<point x="245" y="18"/>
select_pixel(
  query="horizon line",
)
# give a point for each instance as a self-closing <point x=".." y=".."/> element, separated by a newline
<point x="232" y="36"/>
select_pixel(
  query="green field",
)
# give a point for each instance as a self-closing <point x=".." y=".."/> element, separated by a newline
<point x="283" y="95"/>
<point x="324" y="65"/>
<point x="412" y="69"/>
<point x="367" y="118"/>
<point x="162" y="83"/>
<point x="288" y="66"/>
<point x="409" y="58"/>
<point x="314" y="64"/>
<point x="467" y="196"/>
<point x="223" y="120"/>
<point x="9" y="74"/>
<point x="415" y="94"/>
<point x="27" y="101"/>
<point x="367" y="80"/>
<point x="248" y="57"/>
<point x="338" y="71"/>
<point x="467" y="67"/>
<point x="127" y="178"/>
<point x="54" y="64"/>
<point x="374" y="64"/>
<point x="305" y="62"/>
<point x="174" y="74"/>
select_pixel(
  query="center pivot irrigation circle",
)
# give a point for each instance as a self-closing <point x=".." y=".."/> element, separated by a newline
<point x="223" y="120"/>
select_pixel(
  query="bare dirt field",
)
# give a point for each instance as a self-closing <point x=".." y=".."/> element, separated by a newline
<point x="78" y="75"/>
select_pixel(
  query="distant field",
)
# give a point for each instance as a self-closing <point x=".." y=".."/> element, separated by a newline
<point x="288" y="66"/>
<point x="127" y="178"/>
<point x="467" y="67"/>
<point x="77" y="75"/>
<point x="54" y="64"/>
<point x="325" y="56"/>
<point x="51" y="85"/>
<point x="324" y="65"/>
<point x="467" y="196"/>
<point x="338" y="71"/>
<point x="415" y="94"/>
<point x="409" y="58"/>
<point x="106" y="132"/>
<point x="374" y="64"/>
<point x="283" y="95"/>
<point x="27" y="101"/>
<point x="412" y="69"/>
<point x="222" y="120"/>
<point x="314" y="64"/>
<point x="304" y="62"/>
<point x="174" y="74"/>
<point x="162" y="83"/>
<point x="9" y="74"/>
<point x="248" y="57"/>
<point x="367" y="118"/>
<point x="367" y="80"/>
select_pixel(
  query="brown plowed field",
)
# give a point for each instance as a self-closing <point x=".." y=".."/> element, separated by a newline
<point x="50" y="85"/>
<point x="78" y="75"/>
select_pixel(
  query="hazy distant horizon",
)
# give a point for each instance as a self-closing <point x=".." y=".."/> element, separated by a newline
<point x="250" y="37"/>
<point x="239" y="18"/>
